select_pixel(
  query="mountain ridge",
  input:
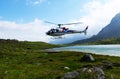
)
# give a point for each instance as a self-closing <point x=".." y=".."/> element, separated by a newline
<point x="109" y="31"/>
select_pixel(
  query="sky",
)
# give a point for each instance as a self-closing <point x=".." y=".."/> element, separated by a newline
<point x="25" y="19"/>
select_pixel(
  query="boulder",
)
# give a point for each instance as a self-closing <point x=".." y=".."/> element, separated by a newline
<point x="107" y="64"/>
<point x="70" y="75"/>
<point x="67" y="68"/>
<point x="98" y="73"/>
<point x="87" y="58"/>
<point x="116" y="64"/>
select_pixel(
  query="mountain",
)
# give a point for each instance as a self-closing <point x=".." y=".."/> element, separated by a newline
<point x="112" y="30"/>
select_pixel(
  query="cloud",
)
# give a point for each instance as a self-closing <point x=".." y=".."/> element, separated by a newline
<point x="99" y="13"/>
<point x="32" y="31"/>
<point x="34" y="2"/>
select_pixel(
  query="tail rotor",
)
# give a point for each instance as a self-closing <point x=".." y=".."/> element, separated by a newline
<point x="85" y="31"/>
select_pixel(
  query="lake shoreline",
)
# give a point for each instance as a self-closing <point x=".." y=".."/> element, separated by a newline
<point x="111" y="50"/>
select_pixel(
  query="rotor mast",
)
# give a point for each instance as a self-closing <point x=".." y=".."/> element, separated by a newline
<point x="59" y="25"/>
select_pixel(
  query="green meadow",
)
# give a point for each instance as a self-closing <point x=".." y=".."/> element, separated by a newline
<point x="30" y="60"/>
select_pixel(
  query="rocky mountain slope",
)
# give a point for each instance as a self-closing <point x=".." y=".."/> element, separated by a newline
<point x="112" y="30"/>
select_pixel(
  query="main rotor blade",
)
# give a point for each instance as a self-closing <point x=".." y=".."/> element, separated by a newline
<point x="72" y="23"/>
<point x="50" y="22"/>
<point x="62" y="24"/>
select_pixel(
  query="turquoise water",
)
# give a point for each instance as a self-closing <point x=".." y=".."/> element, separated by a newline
<point x="112" y="50"/>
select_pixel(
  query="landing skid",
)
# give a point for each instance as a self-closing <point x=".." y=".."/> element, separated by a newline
<point x="57" y="37"/>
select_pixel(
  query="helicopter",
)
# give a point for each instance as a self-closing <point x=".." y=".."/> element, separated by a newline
<point x="61" y="30"/>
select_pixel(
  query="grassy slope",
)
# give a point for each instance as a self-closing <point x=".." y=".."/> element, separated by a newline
<point x="25" y="60"/>
<point x="107" y="41"/>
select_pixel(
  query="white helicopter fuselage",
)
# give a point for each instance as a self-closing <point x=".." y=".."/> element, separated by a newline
<point x="63" y="33"/>
<point x="59" y="32"/>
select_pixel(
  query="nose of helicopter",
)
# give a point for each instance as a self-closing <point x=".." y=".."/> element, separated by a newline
<point x="47" y="33"/>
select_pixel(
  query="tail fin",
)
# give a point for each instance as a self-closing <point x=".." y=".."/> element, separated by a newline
<point x="85" y="31"/>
